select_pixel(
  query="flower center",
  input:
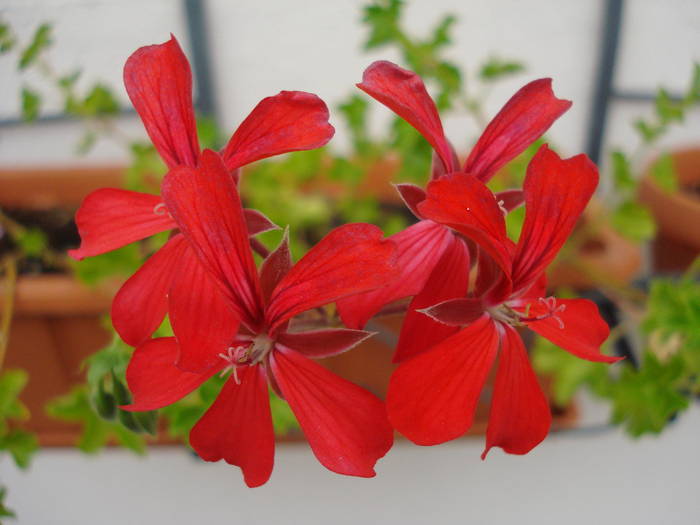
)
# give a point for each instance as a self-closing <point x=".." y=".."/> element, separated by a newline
<point x="508" y="315"/>
<point x="251" y="353"/>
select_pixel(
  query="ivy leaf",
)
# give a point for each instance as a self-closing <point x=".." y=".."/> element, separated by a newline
<point x="21" y="445"/>
<point x="647" y="131"/>
<point x="568" y="372"/>
<point x="75" y="406"/>
<point x="667" y="109"/>
<point x="32" y="242"/>
<point x="496" y="68"/>
<point x="634" y="221"/>
<point x="69" y="80"/>
<point x="12" y="383"/>
<point x="645" y="400"/>
<point x="441" y="34"/>
<point x="31" y="103"/>
<point x="100" y="101"/>
<point x="693" y="94"/>
<point x="4" y="511"/>
<point x="382" y="18"/>
<point x="664" y="173"/>
<point x="354" y="110"/>
<point x="622" y="172"/>
<point x="40" y="41"/>
<point x="7" y="40"/>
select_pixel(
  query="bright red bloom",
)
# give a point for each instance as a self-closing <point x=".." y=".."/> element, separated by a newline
<point x="432" y="395"/>
<point x="159" y="83"/>
<point x="346" y="426"/>
<point x="524" y="118"/>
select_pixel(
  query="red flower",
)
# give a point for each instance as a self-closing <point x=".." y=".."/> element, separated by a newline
<point x="159" y="83"/>
<point x="345" y="425"/>
<point x="524" y="118"/>
<point x="432" y="395"/>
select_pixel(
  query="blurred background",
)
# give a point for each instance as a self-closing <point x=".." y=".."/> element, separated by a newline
<point x="624" y="440"/>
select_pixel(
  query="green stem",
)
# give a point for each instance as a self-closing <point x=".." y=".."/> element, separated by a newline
<point x="10" y="270"/>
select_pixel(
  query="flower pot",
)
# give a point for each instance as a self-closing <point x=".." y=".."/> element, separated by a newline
<point x="603" y="256"/>
<point x="57" y="321"/>
<point x="677" y="214"/>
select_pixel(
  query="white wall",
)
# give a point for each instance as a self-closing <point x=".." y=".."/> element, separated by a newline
<point x="572" y="478"/>
<point x="260" y="47"/>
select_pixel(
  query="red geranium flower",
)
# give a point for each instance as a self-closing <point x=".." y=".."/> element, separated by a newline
<point x="432" y="395"/>
<point x="524" y="118"/>
<point x="346" y="426"/>
<point x="159" y="83"/>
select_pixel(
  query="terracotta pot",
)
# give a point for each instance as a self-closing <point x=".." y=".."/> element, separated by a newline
<point x="57" y="321"/>
<point x="56" y="325"/>
<point x="603" y="253"/>
<point x="677" y="214"/>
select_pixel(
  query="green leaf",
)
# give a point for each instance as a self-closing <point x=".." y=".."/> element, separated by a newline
<point x="622" y="172"/>
<point x="76" y="406"/>
<point x="668" y="110"/>
<point x="382" y="18"/>
<point x="12" y="383"/>
<point x="693" y="94"/>
<point x="4" y="511"/>
<point x="7" y="40"/>
<point x="32" y="242"/>
<point x="68" y="81"/>
<point x="86" y="142"/>
<point x="21" y="445"/>
<point x="40" y="41"/>
<point x="441" y="33"/>
<point x="569" y="373"/>
<point x="645" y="400"/>
<point x="648" y="132"/>
<point x="354" y="110"/>
<point x="496" y="68"/>
<point x="31" y="103"/>
<point x="664" y="173"/>
<point x="100" y="101"/>
<point x="634" y="221"/>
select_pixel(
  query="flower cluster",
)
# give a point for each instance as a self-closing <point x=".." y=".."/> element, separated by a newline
<point x="470" y="287"/>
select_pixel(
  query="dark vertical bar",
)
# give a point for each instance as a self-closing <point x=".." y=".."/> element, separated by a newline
<point x="612" y="21"/>
<point x="195" y="15"/>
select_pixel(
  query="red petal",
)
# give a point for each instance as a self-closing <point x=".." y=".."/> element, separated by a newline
<point x="404" y="93"/>
<point x="200" y="315"/>
<point x="465" y="204"/>
<point x="206" y="205"/>
<point x="432" y="397"/>
<point x="419" y="248"/>
<point x="524" y="118"/>
<point x="510" y="199"/>
<point x="289" y="121"/>
<point x="449" y="278"/>
<point x="345" y="425"/>
<point x="141" y="303"/>
<point x="257" y="222"/>
<point x="153" y="378"/>
<point x="350" y="259"/>
<point x="275" y="267"/>
<point x="159" y="83"/>
<point x="110" y="218"/>
<point x="323" y="343"/>
<point x="456" y="312"/>
<point x="238" y="427"/>
<point x="519" y="418"/>
<point x="437" y="168"/>
<point x="556" y="192"/>
<point x="412" y="196"/>
<point x="581" y="333"/>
